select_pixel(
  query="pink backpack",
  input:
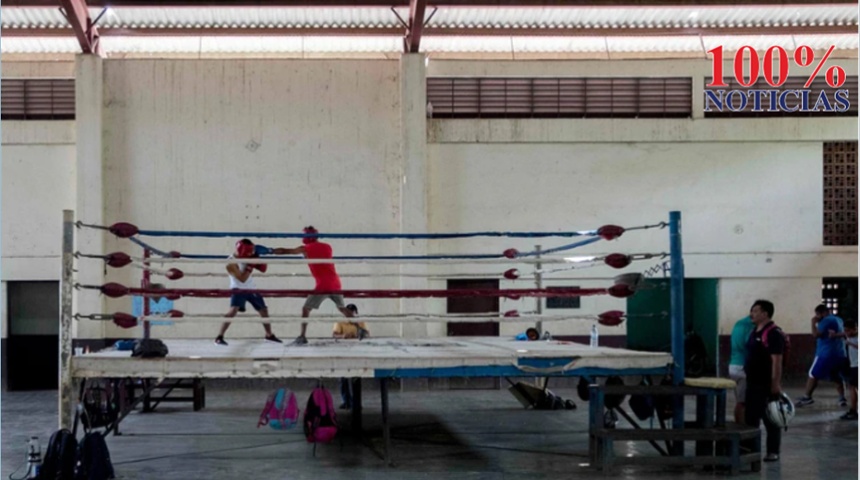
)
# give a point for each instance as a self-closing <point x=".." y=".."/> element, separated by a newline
<point x="320" y="422"/>
<point x="281" y="411"/>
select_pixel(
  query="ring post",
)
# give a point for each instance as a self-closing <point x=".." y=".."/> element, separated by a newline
<point x="66" y="396"/>
<point x="676" y="270"/>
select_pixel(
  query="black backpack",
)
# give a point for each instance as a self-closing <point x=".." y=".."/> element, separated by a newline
<point x="149" y="348"/>
<point x="59" y="461"/>
<point x="93" y="459"/>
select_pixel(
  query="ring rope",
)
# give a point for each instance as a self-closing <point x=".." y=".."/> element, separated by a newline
<point x="443" y="256"/>
<point x="306" y="261"/>
<point x="116" y="290"/>
<point x="369" y="319"/>
<point x="355" y="236"/>
<point x="165" y="273"/>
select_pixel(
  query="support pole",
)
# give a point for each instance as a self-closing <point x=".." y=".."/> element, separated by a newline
<point x="539" y="284"/>
<point x="66" y="397"/>
<point x="386" y="427"/>
<point x="145" y="283"/>
<point x="676" y="270"/>
<point x="357" y="427"/>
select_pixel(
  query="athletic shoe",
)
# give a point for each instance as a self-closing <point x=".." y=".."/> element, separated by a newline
<point x="771" y="457"/>
<point x="300" y="340"/>
<point x="273" y="338"/>
<point x="219" y="340"/>
<point x="849" y="415"/>
<point x="843" y="402"/>
<point x="344" y="406"/>
<point x="804" y="401"/>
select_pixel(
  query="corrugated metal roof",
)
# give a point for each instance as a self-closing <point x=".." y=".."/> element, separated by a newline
<point x="211" y="17"/>
<point x="389" y="44"/>
<point x="474" y="18"/>
<point x="652" y="17"/>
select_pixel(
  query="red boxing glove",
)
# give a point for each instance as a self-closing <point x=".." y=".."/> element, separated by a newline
<point x="260" y="266"/>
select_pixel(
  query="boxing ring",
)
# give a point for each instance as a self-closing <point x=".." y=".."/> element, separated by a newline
<point x="380" y="358"/>
<point x="375" y="358"/>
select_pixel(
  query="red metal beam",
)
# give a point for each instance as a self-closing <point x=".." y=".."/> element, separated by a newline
<point x="79" y="17"/>
<point x="416" y="25"/>
<point x="434" y="31"/>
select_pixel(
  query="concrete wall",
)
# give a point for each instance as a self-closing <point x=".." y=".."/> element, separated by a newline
<point x="38" y="175"/>
<point x="250" y="145"/>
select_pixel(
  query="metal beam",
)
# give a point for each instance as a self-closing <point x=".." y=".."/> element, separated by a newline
<point x="434" y="31"/>
<point x="416" y="25"/>
<point x="436" y="3"/>
<point x="82" y="25"/>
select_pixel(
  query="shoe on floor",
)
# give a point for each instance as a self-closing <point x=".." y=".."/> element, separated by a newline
<point x="843" y="402"/>
<point x="300" y="340"/>
<point x="273" y="338"/>
<point x="849" y="415"/>
<point x="804" y="401"/>
<point x="771" y="457"/>
<point x="219" y="340"/>
<point x="344" y="406"/>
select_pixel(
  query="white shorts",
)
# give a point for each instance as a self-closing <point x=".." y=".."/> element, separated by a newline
<point x="737" y="373"/>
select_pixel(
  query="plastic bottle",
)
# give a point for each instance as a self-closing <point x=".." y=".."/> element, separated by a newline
<point x="34" y="458"/>
<point x="594" y="336"/>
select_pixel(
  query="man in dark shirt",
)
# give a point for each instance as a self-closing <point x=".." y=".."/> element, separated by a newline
<point x="764" y="373"/>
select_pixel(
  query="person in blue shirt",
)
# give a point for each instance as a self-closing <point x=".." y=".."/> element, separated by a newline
<point x="829" y="353"/>
<point x="740" y="335"/>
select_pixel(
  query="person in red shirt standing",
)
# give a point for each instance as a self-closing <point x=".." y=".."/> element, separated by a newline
<point x="325" y="275"/>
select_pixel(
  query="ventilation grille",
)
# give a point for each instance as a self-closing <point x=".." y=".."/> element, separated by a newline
<point x="38" y="99"/>
<point x="498" y="97"/>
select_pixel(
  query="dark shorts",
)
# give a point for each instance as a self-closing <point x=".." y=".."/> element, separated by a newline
<point x="827" y="368"/>
<point x="850" y="374"/>
<point x="256" y="300"/>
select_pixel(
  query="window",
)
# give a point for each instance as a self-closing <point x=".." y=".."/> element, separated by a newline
<point x="38" y="99"/>
<point x="544" y="97"/>
<point x="792" y="83"/>
<point x="562" y="302"/>
<point x="840" y="193"/>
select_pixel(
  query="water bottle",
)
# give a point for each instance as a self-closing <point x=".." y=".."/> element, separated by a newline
<point x="594" y="336"/>
<point x="34" y="458"/>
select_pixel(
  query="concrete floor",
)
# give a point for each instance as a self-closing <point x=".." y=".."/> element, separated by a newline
<point x="452" y="434"/>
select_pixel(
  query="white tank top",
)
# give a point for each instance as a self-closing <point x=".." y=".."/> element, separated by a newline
<point x="247" y="284"/>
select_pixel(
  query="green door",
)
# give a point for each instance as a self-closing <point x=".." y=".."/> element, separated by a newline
<point x="649" y="325"/>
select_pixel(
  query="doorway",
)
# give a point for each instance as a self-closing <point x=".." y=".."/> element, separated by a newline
<point x="34" y="335"/>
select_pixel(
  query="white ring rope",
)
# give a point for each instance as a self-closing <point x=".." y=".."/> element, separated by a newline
<point x="368" y="319"/>
<point x="164" y="273"/>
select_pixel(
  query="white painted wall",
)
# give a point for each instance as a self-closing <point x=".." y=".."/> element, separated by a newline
<point x="252" y="146"/>
<point x="749" y="210"/>
<point x="38" y="182"/>
<point x="243" y="145"/>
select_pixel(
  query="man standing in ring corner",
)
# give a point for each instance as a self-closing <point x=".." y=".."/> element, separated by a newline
<point x="327" y="279"/>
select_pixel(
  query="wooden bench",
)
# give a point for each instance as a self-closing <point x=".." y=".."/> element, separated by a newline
<point x="727" y="453"/>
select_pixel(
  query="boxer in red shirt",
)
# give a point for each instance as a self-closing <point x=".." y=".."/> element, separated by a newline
<point x="325" y="275"/>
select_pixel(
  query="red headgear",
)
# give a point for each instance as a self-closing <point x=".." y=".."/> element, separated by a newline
<point x="308" y="230"/>
<point x="244" y="248"/>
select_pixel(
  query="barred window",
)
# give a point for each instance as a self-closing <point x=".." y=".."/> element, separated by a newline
<point x="38" y="99"/>
<point x="544" y="97"/>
